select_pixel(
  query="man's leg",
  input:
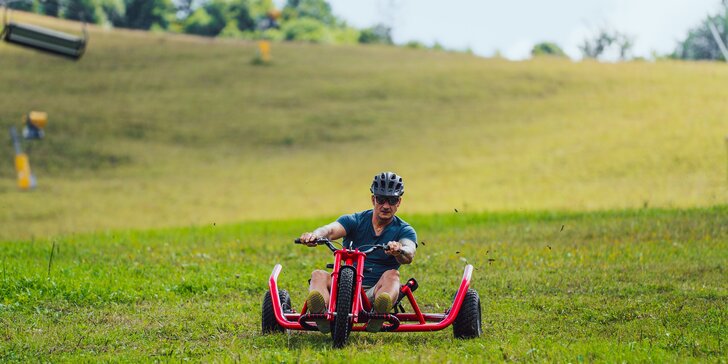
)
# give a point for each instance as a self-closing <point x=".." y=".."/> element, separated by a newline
<point x="389" y="284"/>
<point x="318" y="296"/>
<point x="385" y="292"/>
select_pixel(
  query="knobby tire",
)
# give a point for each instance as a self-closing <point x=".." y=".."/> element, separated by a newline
<point x="345" y="298"/>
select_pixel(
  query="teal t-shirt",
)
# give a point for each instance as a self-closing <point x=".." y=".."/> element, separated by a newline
<point x="360" y="231"/>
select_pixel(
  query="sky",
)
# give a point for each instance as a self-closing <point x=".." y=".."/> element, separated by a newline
<point x="511" y="28"/>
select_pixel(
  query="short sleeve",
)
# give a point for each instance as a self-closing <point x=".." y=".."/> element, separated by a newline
<point x="409" y="233"/>
<point x="349" y="222"/>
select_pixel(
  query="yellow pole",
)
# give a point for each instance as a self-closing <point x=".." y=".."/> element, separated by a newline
<point x="264" y="50"/>
<point x="22" y="167"/>
<point x="22" y="163"/>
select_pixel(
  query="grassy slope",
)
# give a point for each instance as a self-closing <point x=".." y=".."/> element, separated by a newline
<point x="153" y="130"/>
<point x="641" y="285"/>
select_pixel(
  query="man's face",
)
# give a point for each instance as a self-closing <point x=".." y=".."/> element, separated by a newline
<point x="385" y="206"/>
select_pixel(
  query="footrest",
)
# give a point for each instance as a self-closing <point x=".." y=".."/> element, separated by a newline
<point x="310" y="316"/>
<point x="391" y="319"/>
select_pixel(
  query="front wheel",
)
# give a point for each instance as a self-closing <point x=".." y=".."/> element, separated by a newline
<point x="468" y="324"/>
<point x="345" y="297"/>
<point x="269" y="324"/>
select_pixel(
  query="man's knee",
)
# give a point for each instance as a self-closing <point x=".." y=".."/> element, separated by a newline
<point x="391" y="275"/>
<point x="320" y="276"/>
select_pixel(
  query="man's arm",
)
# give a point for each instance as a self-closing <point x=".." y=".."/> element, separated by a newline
<point x="402" y="250"/>
<point x="330" y="231"/>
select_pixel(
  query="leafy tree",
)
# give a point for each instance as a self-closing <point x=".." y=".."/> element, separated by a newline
<point x="209" y="19"/>
<point x="115" y="11"/>
<point x="22" y="5"/>
<point x="606" y="40"/>
<point x="142" y="14"/>
<point x="240" y="12"/>
<point x="700" y="42"/>
<point x="547" y="49"/>
<point x="225" y="17"/>
<point x="220" y="12"/>
<point x="184" y="8"/>
<point x="379" y="33"/>
<point x="260" y="8"/>
<point x="306" y="29"/>
<point x="202" y="23"/>
<point x="51" y="8"/>
<point x="85" y="10"/>
<point x="314" y="9"/>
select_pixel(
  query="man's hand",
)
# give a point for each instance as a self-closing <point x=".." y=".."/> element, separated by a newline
<point x="331" y="231"/>
<point x="309" y="239"/>
<point x="395" y="249"/>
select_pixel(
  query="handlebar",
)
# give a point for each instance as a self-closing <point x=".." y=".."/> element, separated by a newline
<point x="327" y="242"/>
<point x="319" y="241"/>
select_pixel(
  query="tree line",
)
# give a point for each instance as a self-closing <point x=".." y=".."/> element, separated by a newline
<point x="304" y="20"/>
<point x="314" y="21"/>
<point x="700" y="43"/>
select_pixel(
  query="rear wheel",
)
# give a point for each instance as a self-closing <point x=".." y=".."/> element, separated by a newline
<point x="468" y="324"/>
<point x="269" y="322"/>
<point x="345" y="296"/>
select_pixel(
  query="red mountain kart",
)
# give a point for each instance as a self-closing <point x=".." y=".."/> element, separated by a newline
<point x="350" y="309"/>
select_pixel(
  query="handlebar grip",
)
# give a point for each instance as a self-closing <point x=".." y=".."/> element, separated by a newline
<point x="318" y="241"/>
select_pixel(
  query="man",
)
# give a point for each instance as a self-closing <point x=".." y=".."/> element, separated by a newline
<point x="371" y="227"/>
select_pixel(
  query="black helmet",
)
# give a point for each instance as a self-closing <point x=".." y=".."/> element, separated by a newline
<point x="387" y="184"/>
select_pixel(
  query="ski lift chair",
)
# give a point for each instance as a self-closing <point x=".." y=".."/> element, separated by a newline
<point x="44" y="39"/>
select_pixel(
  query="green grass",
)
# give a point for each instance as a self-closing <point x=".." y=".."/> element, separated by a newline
<point x="635" y="285"/>
<point x="152" y="130"/>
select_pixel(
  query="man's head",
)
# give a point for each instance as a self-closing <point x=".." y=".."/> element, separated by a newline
<point x="387" y="190"/>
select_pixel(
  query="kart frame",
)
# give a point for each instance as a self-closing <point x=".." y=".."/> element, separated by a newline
<point x="397" y="322"/>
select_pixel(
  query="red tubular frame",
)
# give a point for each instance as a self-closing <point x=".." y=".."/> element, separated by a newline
<point x="422" y="321"/>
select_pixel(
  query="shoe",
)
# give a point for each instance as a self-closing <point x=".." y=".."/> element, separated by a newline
<point x="382" y="304"/>
<point x="316" y="304"/>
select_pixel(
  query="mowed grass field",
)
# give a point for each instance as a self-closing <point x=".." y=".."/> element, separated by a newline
<point x="630" y="286"/>
<point x="152" y="130"/>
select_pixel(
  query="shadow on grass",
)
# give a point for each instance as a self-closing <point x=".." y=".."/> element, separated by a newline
<point x="308" y="340"/>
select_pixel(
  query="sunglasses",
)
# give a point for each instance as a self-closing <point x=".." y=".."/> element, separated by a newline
<point x="393" y="200"/>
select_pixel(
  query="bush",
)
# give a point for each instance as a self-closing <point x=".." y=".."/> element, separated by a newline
<point x="547" y="49"/>
<point x="345" y="35"/>
<point x="231" y="30"/>
<point x="380" y="34"/>
<point x="415" y="45"/>
<point x="307" y="29"/>
<point x="202" y="23"/>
